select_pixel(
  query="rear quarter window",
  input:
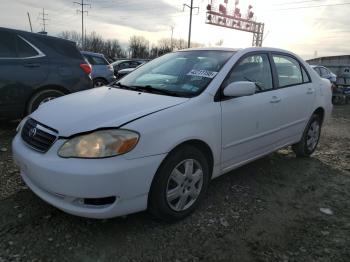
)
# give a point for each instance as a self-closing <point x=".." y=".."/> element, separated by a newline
<point x="24" y="49"/>
<point x="59" y="46"/>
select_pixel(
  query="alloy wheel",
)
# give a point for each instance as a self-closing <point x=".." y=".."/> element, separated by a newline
<point x="313" y="135"/>
<point x="184" y="185"/>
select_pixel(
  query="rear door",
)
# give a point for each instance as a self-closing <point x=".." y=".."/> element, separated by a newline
<point x="297" y="97"/>
<point x="21" y="70"/>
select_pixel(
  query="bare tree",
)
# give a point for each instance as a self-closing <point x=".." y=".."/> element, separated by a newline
<point x="220" y="42"/>
<point x="95" y="43"/>
<point x="138" y="46"/>
<point x="72" y="36"/>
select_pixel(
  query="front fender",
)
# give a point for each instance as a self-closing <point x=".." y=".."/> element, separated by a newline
<point x="199" y="119"/>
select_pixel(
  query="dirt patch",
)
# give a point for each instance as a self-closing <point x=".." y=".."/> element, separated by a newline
<point x="268" y="210"/>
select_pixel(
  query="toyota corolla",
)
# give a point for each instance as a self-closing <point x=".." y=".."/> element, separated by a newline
<point x="156" y="138"/>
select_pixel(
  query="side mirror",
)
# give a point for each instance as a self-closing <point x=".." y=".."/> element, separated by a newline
<point x="241" y="88"/>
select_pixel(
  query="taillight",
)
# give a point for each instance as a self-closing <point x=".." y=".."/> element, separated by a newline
<point x="86" y="68"/>
<point x="110" y="67"/>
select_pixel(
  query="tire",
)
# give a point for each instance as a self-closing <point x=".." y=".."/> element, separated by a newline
<point x="190" y="189"/>
<point x="311" y="136"/>
<point x="98" y="82"/>
<point x="42" y="97"/>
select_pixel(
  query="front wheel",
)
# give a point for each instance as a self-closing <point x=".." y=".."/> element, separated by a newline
<point x="311" y="136"/>
<point x="179" y="184"/>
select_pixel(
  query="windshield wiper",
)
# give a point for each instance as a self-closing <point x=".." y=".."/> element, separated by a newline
<point x="119" y="85"/>
<point x="152" y="89"/>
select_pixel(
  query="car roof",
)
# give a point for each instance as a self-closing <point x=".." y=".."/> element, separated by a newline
<point x="120" y="61"/>
<point x="210" y="49"/>
<point x="242" y="50"/>
<point x="34" y="34"/>
<point x="91" y="53"/>
<point x="126" y="60"/>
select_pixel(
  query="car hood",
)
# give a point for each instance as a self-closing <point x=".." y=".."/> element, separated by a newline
<point x="100" y="107"/>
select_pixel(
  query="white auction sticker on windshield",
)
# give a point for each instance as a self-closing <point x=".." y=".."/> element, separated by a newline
<point x="202" y="73"/>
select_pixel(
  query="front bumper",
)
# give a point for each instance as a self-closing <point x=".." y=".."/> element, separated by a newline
<point x="64" y="183"/>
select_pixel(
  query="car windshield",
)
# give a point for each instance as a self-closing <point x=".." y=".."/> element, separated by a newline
<point x="183" y="73"/>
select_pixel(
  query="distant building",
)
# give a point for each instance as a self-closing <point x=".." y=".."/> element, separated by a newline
<point x="339" y="65"/>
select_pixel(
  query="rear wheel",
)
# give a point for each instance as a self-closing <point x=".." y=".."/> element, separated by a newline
<point x="98" y="82"/>
<point x="42" y="97"/>
<point x="179" y="184"/>
<point x="308" y="143"/>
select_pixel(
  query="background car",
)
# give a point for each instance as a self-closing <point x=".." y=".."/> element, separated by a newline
<point x="36" y="68"/>
<point x="102" y="72"/>
<point x="124" y="64"/>
<point x="324" y="72"/>
<point x="123" y="72"/>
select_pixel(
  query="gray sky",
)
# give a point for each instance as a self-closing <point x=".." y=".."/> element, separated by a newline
<point x="325" y="30"/>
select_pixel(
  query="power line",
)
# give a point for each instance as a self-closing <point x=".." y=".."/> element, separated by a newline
<point x="82" y="5"/>
<point x="312" y="6"/>
<point x="298" y="2"/>
<point x="42" y="17"/>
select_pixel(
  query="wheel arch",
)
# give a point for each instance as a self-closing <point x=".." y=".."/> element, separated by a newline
<point x="201" y="146"/>
<point x="320" y="112"/>
<point x="197" y="143"/>
<point x="100" y="78"/>
<point x="43" y="88"/>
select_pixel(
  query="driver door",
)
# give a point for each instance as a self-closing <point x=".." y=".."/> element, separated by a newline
<point x="249" y="122"/>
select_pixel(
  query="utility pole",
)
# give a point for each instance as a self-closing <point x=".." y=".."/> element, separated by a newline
<point x="43" y="20"/>
<point x="30" y="22"/>
<point x="190" y="25"/>
<point x="171" y="39"/>
<point x="82" y="5"/>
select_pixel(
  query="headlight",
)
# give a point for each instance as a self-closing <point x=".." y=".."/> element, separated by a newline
<point x="99" y="144"/>
<point x="21" y="124"/>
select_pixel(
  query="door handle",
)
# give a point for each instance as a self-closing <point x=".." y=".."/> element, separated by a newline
<point x="275" y="99"/>
<point x="310" y="91"/>
<point x="32" y="65"/>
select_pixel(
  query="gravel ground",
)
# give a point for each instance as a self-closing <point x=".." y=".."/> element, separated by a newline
<point x="278" y="208"/>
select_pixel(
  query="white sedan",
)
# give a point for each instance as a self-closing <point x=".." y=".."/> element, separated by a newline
<point x="156" y="138"/>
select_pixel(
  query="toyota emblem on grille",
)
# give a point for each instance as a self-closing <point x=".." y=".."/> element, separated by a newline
<point x="32" y="132"/>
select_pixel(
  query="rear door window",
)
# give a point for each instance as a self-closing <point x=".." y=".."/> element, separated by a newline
<point x="96" y="60"/>
<point x="324" y="72"/>
<point x="317" y="69"/>
<point x="7" y="45"/>
<point x="288" y="71"/>
<point x="124" y="65"/>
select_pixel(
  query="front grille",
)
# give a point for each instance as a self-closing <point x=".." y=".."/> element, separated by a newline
<point x="38" y="136"/>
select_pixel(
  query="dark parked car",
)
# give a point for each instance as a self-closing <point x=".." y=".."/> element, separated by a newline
<point x="123" y="72"/>
<point x="36" y="68"/>
<point x="102" y="72"/>
<point x="124" y="64"/>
